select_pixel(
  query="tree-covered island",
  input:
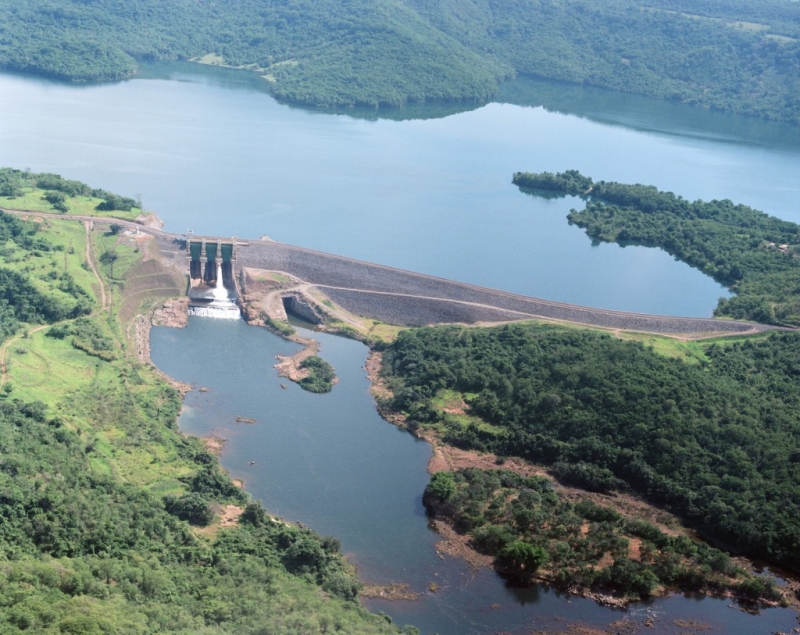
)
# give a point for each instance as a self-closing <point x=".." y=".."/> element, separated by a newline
<point x="739" y="56"/>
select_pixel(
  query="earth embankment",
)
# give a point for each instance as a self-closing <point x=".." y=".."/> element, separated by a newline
<point x="412" y="299"/>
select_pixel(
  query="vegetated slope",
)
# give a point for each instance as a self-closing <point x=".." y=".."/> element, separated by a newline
<point x="45" y="192"/>
<point x="640" y="47"/>
<point x="533" y="531"/>
<point x="109" y="517"/>
<point x="717" y="442"/>
<point x="757" y="256"/>
<point x="322" y="52"/>
<point x="48" y="297"/>
<point x="736" y="56"/>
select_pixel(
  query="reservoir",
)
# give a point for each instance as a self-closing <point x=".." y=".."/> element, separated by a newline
<point x="428" y="190"/>
<point x="209" y="150"/>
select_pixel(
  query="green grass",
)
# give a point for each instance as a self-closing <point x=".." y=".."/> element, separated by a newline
<point x="689" y="350"/>
<point x="32" y="200"/>
<point x="83" y="390"/>
<point x="43" y="267"/>
<point x="453" y="405"/>
<point x="385" y="332"/>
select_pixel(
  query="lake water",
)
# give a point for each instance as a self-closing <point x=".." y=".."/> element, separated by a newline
<point x="211" y="151"/>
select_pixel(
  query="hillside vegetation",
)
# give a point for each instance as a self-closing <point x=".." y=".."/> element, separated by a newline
<point x="739" y="56"/>
<point x="112" y="521"/>
<point x="44" y="192"/>
<point x="535" y="533"/>
<point x="755" y="255"/>
<point x="715" y="437"/>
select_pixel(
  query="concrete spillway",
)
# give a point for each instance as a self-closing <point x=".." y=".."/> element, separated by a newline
<point x="212" y="289"/>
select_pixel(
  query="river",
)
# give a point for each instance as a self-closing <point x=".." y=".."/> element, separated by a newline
<point x="211" y="151"/>
<point x="331" y="462"/>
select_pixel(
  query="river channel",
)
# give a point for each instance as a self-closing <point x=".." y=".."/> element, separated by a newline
<point x="427" y="190"/>
<point x="331" y="462"/>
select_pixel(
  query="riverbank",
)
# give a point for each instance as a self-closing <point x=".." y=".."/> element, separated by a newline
<point x="630" y="512"/>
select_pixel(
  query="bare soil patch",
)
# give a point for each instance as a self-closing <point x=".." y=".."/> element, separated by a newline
<point x="289" y="365"/>
<point x="457" y="545"/>
<point x="381" y="391"/>
<point x="173" y="313"/>
<point x="215" y="445"/>
<point x="229" y="516"/>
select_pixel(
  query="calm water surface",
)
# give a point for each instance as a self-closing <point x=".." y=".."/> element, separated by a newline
<point x="331" y="462"/>
<point x="213" y="152"/>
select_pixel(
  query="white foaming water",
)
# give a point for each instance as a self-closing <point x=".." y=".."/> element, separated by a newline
<point x="220" y="306"/>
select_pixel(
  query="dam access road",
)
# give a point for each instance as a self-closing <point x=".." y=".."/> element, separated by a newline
<point x="406" y="298"/>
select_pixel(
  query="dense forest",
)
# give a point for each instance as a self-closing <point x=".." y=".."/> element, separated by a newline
<point x="717" y="442"/>
<point x="739" y="56"/>
<point x="755" y="255"/>
<point x="110" y="519"/>
<point x="534" y="533"/>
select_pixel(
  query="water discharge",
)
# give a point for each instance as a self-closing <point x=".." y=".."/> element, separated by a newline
<point x="221" y="305"/>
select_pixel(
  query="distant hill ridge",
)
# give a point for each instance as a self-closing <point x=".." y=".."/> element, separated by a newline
<point x="734" y="56"/>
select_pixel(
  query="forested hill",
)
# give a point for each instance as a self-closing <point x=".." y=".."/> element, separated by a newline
<point x="716" y="441"/>
<point x="739" y="56"/>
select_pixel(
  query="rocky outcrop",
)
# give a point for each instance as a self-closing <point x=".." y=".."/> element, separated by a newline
<point x="173" y="313"/>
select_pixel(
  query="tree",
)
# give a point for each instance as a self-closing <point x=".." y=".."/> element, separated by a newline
<point x="522" y="557"/>
<point x="190" y="507"/>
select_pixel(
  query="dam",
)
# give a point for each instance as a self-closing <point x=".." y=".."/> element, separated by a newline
<point x="376" y="292"/>
<point x="311" y="282"/>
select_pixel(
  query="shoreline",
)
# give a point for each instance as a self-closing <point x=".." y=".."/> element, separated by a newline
<point x="449" y="458"/>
